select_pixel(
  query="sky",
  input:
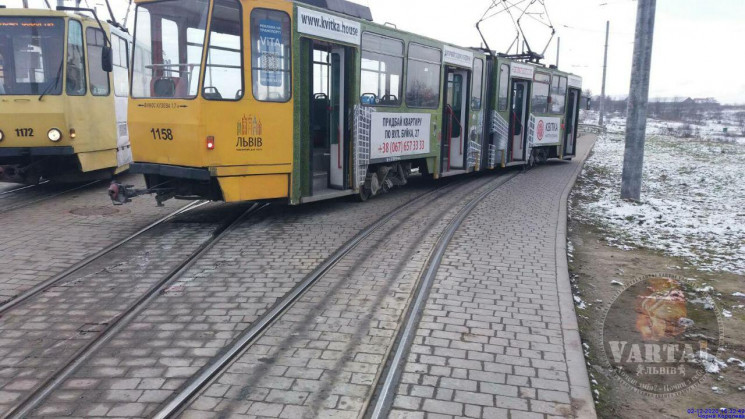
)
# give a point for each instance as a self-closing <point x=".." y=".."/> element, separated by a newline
<point x="691" y="37"/>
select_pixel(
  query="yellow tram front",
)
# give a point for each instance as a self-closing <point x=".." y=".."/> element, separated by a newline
<point x="57" y="115"/>
<point x="211" y="107"/>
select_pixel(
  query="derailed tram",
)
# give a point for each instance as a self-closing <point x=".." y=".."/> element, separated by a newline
<point x="63" y="96"/>
<point x="239" y="100"/>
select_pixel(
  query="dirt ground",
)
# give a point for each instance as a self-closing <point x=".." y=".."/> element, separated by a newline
<point x="594" y="265"/>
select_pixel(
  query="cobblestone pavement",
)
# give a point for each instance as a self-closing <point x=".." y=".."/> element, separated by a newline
<point x="499" y="338"/>
<point x="493" y="342"/>
<point x="220" y="296"/>
<point x="42" y="240"/>
<point x="324" y="355"/>
<point x="38" y="337"/>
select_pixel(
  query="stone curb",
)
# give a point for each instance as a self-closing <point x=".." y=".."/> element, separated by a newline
<point x="579" y="381"/>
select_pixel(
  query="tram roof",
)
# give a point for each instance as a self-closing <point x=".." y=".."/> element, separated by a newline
<point x="43" y="13"/>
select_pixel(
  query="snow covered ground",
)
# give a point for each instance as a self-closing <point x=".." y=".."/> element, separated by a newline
<point x="693" y="203"/>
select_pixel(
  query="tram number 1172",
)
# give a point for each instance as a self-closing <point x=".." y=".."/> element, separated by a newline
<point x="24" y="132"/>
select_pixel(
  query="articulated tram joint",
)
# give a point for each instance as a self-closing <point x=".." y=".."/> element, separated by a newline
<point x="123" y="194"/>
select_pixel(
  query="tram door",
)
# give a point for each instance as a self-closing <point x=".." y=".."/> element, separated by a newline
<point x="519" y="118"/>
<point x="327" y="119"/>
<point x="337" y="113"/>
<point x="572" y="119"/>
<point x="454" y="145"/>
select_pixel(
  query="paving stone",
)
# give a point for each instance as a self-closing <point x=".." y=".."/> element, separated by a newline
<point x="496" y="297"/>
<point x="224" y="292"/>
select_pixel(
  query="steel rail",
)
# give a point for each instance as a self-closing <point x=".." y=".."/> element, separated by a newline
<point x="406" y="335"/>
<point x="10" y="304"/>
<point x="26" y="407"/>
<point x="23" y="188"/>
<point x="174" y="405"/>
<point x="46" y="198"/>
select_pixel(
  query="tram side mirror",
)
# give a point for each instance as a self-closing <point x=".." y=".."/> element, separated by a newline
<point x="107" y="59"/>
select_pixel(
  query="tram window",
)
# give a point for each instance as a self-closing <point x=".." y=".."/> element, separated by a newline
<point x="271" y="61"/>
<point x="121" y="65"/>
<point x="540" y="93"/>
<point x="76" y="85"/>
<point x="169" y="40"/>
<point x="31" y="55"/>
<point x="223" y="74"/>
<point x="382" y="70"/>
<point x="478" y="83"/>
<point x="423" y="77"/>
<point x="321" y="68"/>
<point x="99" y="79"/>
<point x="504" y="87"/>
<point x="558" y="94"/>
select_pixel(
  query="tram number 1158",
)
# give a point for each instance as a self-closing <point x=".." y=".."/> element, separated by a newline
<point x="163" y="134"/>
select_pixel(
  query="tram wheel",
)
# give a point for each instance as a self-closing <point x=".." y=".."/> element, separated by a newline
<point x="363" y="195"/>
<point x="372" y="183"/>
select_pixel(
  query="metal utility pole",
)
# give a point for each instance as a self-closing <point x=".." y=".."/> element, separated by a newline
<point x="636" y="120"/>
<point x="605" y="72"/>
<point x="558" y="50"/>
<point x="25" y="4"/>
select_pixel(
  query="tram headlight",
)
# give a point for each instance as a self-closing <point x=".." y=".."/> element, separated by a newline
<point x="2" y="135"/>
<point x="54" y="135"/>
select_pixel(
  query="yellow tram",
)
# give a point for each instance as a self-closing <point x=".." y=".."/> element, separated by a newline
<point x="63" y="96"/>
<point x="302" y="101"/>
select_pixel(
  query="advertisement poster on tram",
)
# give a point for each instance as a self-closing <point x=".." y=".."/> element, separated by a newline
<point x="546" y="131"/>
<point x="270" y="33"/>
<point x="399" y="134"/>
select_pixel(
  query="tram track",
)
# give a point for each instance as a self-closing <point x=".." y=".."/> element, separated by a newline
<point x="207" y="375"/>
<point x="38" y="199"/>
<point x="29" y="403"/>
<point x="69" y="272"/>
<point x="395" y="360"/>
<point x="78" y="360"/>
<point x="23" y="188"/>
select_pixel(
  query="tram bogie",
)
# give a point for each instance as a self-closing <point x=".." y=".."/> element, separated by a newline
<point x="240" y="100"/>
<point x="63" y="114"/>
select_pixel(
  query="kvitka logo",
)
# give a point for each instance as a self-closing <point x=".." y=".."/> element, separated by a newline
<point x="651" y="341"/>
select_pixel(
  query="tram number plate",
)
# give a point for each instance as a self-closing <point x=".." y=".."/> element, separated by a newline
<point x="163" y="134"/>
<point x="24" y="132"/>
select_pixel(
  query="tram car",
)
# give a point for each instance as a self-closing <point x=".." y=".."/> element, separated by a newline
<point x="63" y="97"/>
<point x="239" y="100"/>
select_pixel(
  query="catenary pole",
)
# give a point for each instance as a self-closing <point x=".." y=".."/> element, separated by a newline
<point x="636" y="120"/>
<point x="605" y="72"/>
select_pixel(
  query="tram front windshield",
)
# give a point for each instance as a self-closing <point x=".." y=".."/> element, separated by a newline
<point x="169" y="40"/>
<point x="31" y="50"/>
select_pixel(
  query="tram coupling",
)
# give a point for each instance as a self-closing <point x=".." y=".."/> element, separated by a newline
<point x="122" y="194"/>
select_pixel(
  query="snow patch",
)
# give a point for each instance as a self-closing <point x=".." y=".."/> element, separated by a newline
<point x="711" y="363"/>
<point x="693" y="206"/>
